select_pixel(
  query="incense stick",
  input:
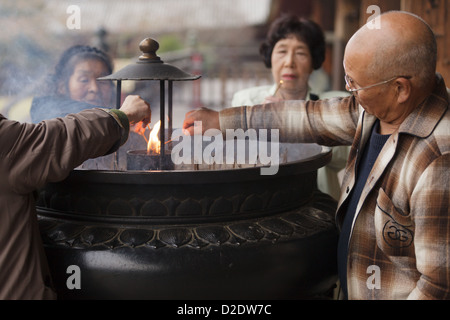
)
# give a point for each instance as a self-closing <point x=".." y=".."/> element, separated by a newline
<point x="278" y="88"/>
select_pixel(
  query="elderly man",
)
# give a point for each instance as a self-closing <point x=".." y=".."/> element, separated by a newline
<point x="33" y="154"/>
<point x="393" y="212"/>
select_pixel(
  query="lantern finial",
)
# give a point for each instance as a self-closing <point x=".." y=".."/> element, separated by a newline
<point x="149" y="47"/>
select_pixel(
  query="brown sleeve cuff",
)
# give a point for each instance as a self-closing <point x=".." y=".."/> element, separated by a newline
<point x="123" y="122"/>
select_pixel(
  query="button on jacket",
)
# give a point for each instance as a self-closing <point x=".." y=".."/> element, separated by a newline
<point x="401" y="229"/>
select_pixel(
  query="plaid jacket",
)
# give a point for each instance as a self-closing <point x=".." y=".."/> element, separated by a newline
<point x="399" y="246"/>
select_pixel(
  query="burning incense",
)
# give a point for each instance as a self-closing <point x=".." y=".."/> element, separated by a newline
<point x="278" y="88"/>
<point x="140" y="130"/>
<point x="154" y="145"/>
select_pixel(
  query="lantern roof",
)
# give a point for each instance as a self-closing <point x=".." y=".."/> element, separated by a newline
<point x="150" y="67"/>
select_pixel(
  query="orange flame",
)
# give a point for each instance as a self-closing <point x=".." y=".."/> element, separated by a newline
<point x="154" y="144"/>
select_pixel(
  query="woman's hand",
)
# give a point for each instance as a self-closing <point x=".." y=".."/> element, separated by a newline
<point x="271" y="99"/>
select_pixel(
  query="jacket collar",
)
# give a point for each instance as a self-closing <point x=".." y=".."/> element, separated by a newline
<point x="423" y="119"/>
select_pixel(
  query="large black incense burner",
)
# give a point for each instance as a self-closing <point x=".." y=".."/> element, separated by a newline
<point x="193" y="232"/>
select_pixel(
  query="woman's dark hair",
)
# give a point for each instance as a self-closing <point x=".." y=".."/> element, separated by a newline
<point x="305" y="30"/>
<point x="65" y="67"/>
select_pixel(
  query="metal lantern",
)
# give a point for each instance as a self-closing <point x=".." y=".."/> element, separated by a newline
<point x="150" y="67"/>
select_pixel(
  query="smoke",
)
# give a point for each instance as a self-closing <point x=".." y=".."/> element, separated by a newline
<point x="24" y="62"/>
<point x="33" y="35"/>
<point x="32" y="38"/>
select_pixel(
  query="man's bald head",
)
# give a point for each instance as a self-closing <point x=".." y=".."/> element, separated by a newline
<point x="404" y="45"/>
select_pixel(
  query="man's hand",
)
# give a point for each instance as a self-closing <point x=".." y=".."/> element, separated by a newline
<point x="209" y="119"/>
<point x="136" y="110"/>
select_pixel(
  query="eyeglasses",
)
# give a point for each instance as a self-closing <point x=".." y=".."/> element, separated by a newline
<point x="349" y="88"/>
